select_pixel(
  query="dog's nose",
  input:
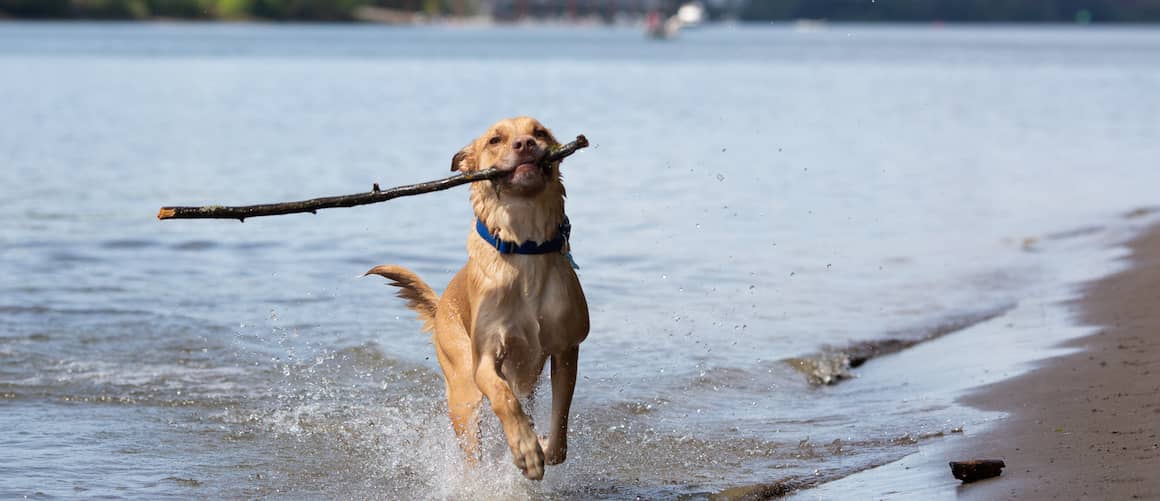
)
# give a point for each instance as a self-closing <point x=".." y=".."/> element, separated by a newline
<point x="524" y="143"/>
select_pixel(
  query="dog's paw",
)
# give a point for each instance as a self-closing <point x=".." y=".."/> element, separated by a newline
<point x="527" y="454"/>
<point x="553" y="455"/>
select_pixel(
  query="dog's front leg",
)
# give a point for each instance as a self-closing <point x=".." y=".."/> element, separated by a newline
<point x="563" y="384"/>
<point x="517" y="426"/>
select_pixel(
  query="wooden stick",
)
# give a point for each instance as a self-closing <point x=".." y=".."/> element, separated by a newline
<point x="376" y="195"/>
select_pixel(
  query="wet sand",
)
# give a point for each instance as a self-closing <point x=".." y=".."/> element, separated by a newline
<point x="1085" y="425"/>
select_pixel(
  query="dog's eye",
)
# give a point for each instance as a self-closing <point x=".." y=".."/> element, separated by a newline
<point x="493" y="140"/>
<point x="540" y="134"/>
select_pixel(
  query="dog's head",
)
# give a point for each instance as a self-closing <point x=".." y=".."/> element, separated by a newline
<point x="515" y="145"/>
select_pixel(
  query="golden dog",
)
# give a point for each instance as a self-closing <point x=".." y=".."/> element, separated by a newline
<point x="515" y="303"/>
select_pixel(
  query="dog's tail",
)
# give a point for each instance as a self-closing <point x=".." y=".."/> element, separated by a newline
<point x="420" y="297"/>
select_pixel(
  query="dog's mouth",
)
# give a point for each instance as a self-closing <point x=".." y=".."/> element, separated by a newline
<point x="525" y="169"/>
<point x="527" y="175"/>
<point x="526" y="178"/>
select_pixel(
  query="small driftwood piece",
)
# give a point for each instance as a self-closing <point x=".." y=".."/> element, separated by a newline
<point x="978" y="469"/>
<point x="374" y="196"/>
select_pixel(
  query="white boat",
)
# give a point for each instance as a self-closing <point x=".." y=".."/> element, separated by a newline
<point x="691" y="14"/>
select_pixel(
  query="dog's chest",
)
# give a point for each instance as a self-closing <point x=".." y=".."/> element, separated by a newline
<point x="543" y="299"/>
<point x="546" y="295"/>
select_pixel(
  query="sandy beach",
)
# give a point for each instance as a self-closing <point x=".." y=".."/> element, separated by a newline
<point x="1085" y="425"/>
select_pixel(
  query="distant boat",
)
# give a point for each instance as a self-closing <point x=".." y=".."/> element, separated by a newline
<point x="691" y="14"/>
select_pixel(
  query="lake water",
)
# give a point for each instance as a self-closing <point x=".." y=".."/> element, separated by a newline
<point x="757" y="199"/>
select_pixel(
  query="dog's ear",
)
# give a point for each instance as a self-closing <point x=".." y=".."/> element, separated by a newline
<point x="464" y="160"/>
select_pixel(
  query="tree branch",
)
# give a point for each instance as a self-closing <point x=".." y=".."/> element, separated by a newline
<point x="376" y="195"/>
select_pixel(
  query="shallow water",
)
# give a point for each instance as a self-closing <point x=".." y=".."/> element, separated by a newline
<point x="754" y="195"/>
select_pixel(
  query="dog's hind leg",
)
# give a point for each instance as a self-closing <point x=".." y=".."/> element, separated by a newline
<point x="463" y="402"/>
<point x="563" y="384"/>
<point x="463" y="407"/>
<point x="517" y="426"/>
<point x="463" y="397"/>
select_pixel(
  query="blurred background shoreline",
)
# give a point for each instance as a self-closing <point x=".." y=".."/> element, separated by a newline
<point x="587" y="11"/>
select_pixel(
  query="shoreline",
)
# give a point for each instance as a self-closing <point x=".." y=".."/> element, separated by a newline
<point x="1081" y="425"/>
<point x="1086" y="424"/>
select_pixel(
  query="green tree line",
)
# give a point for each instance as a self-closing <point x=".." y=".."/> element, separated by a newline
<point x="312" y="10"/>
<point x="753" y="10"/>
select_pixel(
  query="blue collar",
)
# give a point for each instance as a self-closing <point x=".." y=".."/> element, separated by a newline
<point x="506" y="247"/>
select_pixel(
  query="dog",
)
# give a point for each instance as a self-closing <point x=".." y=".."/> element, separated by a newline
<point x="515" y="304"/>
